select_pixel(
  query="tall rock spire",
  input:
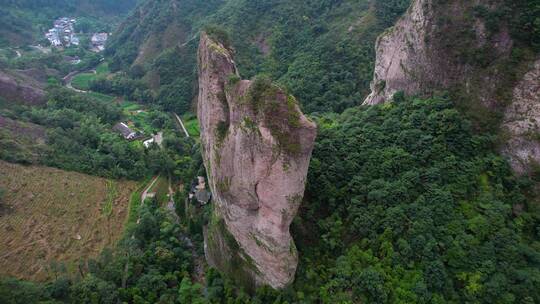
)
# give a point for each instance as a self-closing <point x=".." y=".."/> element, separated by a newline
<point x="256" y="147"/>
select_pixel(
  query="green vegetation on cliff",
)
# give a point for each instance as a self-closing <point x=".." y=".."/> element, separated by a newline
<point x="322" y="51"/>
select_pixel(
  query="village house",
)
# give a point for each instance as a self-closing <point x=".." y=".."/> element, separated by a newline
<point x="157" y="139"/>
<point x="98" y="41"/>
<point x="199" y="192"/>
<point x="63" y="33"/>
<point x="125" y="131"/>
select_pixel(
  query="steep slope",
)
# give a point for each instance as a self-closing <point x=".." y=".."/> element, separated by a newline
<point x="322" y="51"/>
<point x="522" y="122"/>
<point x="256" y="149"/>
<point x="475" y="49"/>
<point x="153" y="27"/>
<point x="24" y="86"/>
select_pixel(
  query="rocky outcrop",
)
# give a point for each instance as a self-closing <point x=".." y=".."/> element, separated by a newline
<point x="256" y="146"/>
<point x="19" y="86"/>
<point x="448" y="45"/>
<point x="438" y="45"/>
<point x="522" y="122"/>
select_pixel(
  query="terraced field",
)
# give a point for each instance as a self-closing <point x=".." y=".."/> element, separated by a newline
<point x="51" y="219"/>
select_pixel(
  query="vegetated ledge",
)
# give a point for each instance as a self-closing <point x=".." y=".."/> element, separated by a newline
<point x="256" y="148"/>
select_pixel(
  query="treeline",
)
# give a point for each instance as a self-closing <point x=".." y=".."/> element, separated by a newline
<point x="69" y="6"/>
<point x="122" y="85"/>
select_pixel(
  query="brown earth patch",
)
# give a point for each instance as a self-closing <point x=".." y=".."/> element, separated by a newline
<point x="52" y="216"/>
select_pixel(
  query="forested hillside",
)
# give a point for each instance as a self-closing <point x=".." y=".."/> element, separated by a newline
<point x="406" y="204"/>
<point x="323" y="51"/>
<point x="23" y="21"/>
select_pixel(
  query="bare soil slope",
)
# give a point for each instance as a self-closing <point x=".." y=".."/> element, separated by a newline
<point x="50" y="215"/>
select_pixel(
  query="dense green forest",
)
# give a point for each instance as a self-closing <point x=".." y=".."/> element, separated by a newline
<point x="405" y="204"/>
<point x="323" y="51"/>
<point x="79" y="137"/>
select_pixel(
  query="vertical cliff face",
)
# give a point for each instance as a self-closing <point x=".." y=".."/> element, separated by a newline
<point x="449" y="45"/>
<point x="256" y="147"/>
<point x="440" y="45"/>
<point x="522" y="122"/>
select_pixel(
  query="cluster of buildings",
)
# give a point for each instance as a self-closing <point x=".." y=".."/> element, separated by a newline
<point x="63" y="33"/>
<point x="128" y="133"/>
<point x="98" y="41"/>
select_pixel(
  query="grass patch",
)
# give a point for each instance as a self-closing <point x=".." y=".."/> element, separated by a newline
<point x="135" y="202"/>
<point x="103" y="68"/>
<point x="137" y="117"/>
<point x="192" y="125"/>
<point x="112" y="193"/>
<point x="161" y="189"/>
<point x="101" y="97"/>
<point x="82" y="81"/>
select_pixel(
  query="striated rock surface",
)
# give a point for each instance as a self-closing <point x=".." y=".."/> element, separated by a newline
<point x="256" y="147"/>
<point x="440" y="45"/>
<point x="522" y="122"/>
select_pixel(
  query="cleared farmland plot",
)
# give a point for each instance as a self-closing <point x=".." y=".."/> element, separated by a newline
<point x="51" y="219"/>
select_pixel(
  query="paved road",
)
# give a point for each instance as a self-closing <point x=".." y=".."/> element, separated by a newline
<point x="181" y="123"/>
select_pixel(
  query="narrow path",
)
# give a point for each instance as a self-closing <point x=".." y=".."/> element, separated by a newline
<point x="170" y="204"/>
<point x="145" y="193"/>
<point x="181" y="124"/>
<point x="69" y="78"/>
<point x="198" y="273"/>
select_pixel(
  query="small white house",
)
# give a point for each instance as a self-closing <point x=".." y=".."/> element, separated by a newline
<point x="148" y="143"/>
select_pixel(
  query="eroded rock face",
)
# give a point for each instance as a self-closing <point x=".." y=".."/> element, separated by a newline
<point x="436" y="45"/>
<point x="522" y="122"/>
<point x="256" y="148"/>
<point x="445" y="45"/>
